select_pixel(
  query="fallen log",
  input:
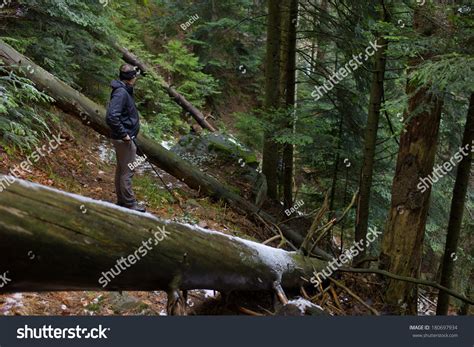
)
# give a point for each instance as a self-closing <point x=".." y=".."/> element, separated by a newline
<point x="54" y="241"/>
<point x="132" y="59"/>
<point x="93" y="115"/>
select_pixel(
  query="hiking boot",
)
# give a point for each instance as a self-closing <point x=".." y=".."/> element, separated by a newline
<point x="138" y="208"/>
<point x="134" y="207"/>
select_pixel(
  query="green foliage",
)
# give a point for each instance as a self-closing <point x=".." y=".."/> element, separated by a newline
<point x="22" y="117"/>
<point x="227" y="35"/>
<point x="61" y="36"/>
<point x="147" y="189"/>
<point x="184" y="71"/>
<point x="250" y="129"/>
<point x="161" y="116"/>
<point x="451" y="72"/>
<point x="71" y="39"/>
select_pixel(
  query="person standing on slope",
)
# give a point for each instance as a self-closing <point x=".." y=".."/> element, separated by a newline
<point x="123" y="119"/>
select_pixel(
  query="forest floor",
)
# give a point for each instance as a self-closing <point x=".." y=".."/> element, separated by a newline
<point x="85" y="165"/>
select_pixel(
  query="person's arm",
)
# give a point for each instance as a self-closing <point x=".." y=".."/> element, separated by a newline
<point x="116" y="106"/>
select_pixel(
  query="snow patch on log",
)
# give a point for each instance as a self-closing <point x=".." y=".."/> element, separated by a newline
<point x="167" y="144"/>
<point x="302" y="304"/>
<point x="275" y="258"/>
<point x="80" y="198"/>
<point x="210" y="293"/>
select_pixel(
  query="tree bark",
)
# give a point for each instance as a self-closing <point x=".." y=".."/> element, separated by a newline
<point x="464" y="310"/>
<point x="332" y="198"/>
<point x="53" y="241"/>
<point x="289" y="81"/>
<point x="457" y="211"/>
<point x="402" y="243"/>
<point x="323" y="15"/>
<point x="74" y="103"/>
<point x="404" y="233"/>
<point x="375" y="103"/>
<point x="132" y="59"/>
<point x="272" y="96"/>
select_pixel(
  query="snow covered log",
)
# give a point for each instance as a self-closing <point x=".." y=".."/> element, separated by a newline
<point x="51" y="240"/>
<point x="75" y="103"/>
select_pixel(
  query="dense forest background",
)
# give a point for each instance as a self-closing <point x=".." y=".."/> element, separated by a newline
<point x="348" y="159"/>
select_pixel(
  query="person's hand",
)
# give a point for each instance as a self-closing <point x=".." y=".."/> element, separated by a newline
<point x="127" y="138"/>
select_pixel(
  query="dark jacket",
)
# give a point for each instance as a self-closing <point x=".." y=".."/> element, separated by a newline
<point x="122" y="115"/>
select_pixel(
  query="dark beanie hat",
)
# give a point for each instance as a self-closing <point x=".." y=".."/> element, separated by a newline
<point x="126" y="76"/>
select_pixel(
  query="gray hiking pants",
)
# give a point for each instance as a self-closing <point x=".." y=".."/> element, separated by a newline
<point x="126" y="153"/>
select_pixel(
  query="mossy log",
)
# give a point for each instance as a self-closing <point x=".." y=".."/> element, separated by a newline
<point x="54" y="241"/>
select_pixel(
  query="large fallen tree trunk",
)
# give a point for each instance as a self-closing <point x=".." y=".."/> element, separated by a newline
<point x="74" y="103"/>
<point x="130" y="58"/>
<point x="51" y="240"/>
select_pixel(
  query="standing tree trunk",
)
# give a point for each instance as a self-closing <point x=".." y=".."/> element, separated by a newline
<point x="272" y="96"/>
<point x="284" y="47"/>
<point x="323" y="15"/>
<point x="457" y="211"/>
<point x="289" y="83"/>
<point x="285" y="21"/>
<point x="337" y="156"/>
<point x="375" y="103"/>
<point x="464" y="310"/>
<point x="402" y="243"/>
